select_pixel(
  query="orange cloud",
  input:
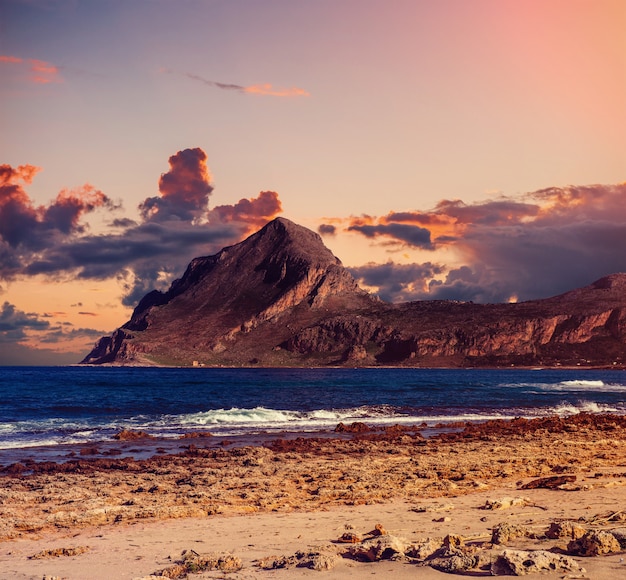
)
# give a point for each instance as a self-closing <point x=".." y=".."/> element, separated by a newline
<point x="41" y="72"/>
<point x="44" y="72"/>
<point x="10" y="59"/>
<point x="255" y="212"/>
<point x="269" y="90"/>
<point x="185" y="189"/>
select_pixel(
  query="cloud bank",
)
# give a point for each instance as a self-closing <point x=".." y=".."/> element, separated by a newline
<point x="174" y="227"/>
<point x="540" y="245"/>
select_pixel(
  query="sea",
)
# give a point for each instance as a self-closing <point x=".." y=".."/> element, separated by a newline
<point x="49" y="409"/>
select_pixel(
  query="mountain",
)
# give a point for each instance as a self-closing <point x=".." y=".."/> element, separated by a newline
<point x="281" y="298"/>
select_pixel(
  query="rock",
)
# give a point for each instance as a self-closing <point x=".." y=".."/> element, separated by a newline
<point x="379" y="548"/>
<point x="356" y="427"/>
<point x="553" y="482"/>
<point x="620" y="535"/>
<point x="422" y="549"/>
<point x="522" y="562"/>
<point x="322" y="562"/>
<point x="504" y="532"/>
<point x="349" y="538"/>
<point x="454" y="564"/>
<point x="594" y="543"/>
<point x="192" y="562"/>
<point x="441" y="507"/>
<point x="378" y="530"/>
<point x="277" y="562"/>
<point x="317" y="559"/>
<point x="565" y="530"/>
<point x="129" y="435"/>
<point x="505" y="502"/>
<point x="453" y="556"/>
<point x="58" y="552"/>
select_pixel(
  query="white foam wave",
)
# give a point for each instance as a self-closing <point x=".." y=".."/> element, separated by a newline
<point x="575" y="386"/>
<point x="565" y="409"/>
<point x="583" y="383"/>
<point x="234" y="420"/>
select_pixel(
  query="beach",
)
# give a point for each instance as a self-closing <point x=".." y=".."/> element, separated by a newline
<point x="305" y="506"/>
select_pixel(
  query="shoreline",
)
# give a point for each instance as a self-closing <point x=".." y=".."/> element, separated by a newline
<point x="287" y="483"/>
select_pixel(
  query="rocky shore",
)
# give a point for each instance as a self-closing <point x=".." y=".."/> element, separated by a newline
<point x="497" y="498"/>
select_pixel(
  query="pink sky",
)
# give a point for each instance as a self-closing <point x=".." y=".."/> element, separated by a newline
<point x="447" y="149"/>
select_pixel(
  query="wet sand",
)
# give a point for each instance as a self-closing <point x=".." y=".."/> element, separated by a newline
<point x="287" y="506"/>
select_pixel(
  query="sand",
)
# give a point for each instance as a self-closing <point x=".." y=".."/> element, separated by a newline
<point x="292" y="501"/>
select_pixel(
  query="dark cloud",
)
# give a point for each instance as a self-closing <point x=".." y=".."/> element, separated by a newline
<point x="407" y="234"/>
<point x="14" y="323"/>
<point x="491" y="213"/>
<point x="62" y="333"/>
<point x="55" y="241"/>
<point x="397" y="282"/>
<point x="25" y="228"/>
<point x="143" y="258"/>
<point x="327" y="230"/>
<point x="185" y="189"/>
<point x="18" y="329"/>
<point x="543" y="244"/>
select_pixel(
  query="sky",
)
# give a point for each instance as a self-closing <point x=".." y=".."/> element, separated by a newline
<point x="449" y="149"/>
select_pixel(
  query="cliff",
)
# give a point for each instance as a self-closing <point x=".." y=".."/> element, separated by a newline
<point x="280" y="298"/>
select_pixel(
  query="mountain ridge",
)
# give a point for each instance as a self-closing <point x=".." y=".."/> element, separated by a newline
<point x="281" y="298"/>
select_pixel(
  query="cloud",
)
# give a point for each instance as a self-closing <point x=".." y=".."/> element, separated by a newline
<point x="397" y="282"/>
<point x="14" y="323"/>
<point x="264" y="89"/>
<point x="410" y="235"/>
<point x="538" y="245"/>
<point x="254" y="211"/>
<point x="327" y="229"/>
<point x="185" y="189"/>
<point x="55" y="241"/>
<point x="23" y="334"/>
<point x="268" y="90"/>
<point x="39" y="72"/>
<point x="26" y="229"/>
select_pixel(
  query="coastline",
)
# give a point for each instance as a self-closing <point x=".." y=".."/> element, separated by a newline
<point x="381" y="476"/>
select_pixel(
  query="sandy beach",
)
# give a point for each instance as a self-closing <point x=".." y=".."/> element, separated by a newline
<point x="497" y="498"/>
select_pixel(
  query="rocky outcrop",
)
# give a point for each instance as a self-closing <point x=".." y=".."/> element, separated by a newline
<point x="281" y="298"/>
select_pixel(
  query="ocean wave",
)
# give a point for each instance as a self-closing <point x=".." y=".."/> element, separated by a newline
<point x="583" y="383"/>
<point x="572" y="386"/>
<point x="246" y="421"/>
<point x="565" y="408"/>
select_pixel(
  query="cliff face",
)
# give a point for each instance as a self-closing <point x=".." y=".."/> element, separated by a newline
<point x="280" y="298"/>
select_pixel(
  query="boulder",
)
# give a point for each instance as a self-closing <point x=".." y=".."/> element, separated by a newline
<point x="382" y="547"/>
<point x="565" y="530"/>
<point x="504" y="532"/>
<point x="552" y="482"/>
<point x="424" y="548"/>
<point x="505" y="502"/>
<point x="522" y="562"/>
<point x="594" y="543"/>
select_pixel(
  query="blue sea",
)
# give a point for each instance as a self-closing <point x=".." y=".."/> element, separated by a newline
<point x="54" y="406"/>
